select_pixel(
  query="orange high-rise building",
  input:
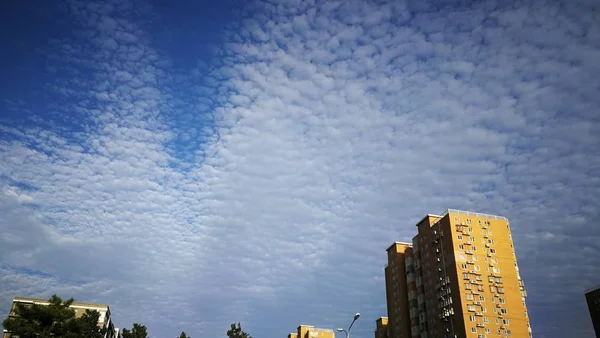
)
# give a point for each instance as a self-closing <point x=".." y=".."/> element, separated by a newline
<point x="458" y="278"/>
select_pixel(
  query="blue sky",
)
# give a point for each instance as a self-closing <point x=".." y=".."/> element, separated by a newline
<point x="209" y="163"/>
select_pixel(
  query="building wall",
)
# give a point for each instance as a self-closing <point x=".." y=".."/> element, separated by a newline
<point x="592" y="298"/>
<point x="484" y="243"/>
<point x="309" y="331"/>
<point x="397" y="291"/>
<point x="381" y="328"/>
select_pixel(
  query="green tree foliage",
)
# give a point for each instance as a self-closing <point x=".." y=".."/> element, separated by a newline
<point x="137" y="331"/>
<point x="87" y="326"/>
<point x="55" y="320"/>
<point x="236" y="332"/>
<point x="183" y="335"/>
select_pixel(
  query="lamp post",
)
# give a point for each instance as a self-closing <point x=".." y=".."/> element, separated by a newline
<point x="356" y="316"/>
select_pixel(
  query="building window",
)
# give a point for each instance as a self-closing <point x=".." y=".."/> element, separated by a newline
<point x="472" y="318"/>
<point x="503" y="311"/>
<point x="473" y="329"/>
<point x="486" y="320"/>
<point x="469" y="296"/>
<point x="487" y="331"/>
<point x="460" y="246"/>
<point x="496" y="270"/>
<point x="482" y="298"/>
<point x="459" y="236"/>
<point x="476" y="267"/>
<point x="468" y="286"/>
<point x="474" y="248"/>
<point x="505" y="321"/>
<point x="464" y="266"/>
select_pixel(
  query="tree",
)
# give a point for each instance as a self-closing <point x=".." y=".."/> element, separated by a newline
<point x="137" y="331"/>
<point x="86" y="326"/>
<point x="236" y="332"/>
<point x="183" y="335"/>
<point x="55" y="320"/>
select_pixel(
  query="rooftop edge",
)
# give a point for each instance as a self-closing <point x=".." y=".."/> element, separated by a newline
<point x="403" y="243"/>
<point x="593" y="288"/>
<point x="39" y="300"/>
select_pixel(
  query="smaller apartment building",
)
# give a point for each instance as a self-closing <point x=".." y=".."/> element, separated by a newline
<point x="104" y="321"/>
<point x="381" y="327"/>
<point x="309" y="331"/>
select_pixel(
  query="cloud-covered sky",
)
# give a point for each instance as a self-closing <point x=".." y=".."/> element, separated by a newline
<point x="194" y="165"/>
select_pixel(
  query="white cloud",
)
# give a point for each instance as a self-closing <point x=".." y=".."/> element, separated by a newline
<point x="265" y="187"/>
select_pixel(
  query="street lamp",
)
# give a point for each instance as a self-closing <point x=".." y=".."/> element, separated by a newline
<point x="356" y="316"/>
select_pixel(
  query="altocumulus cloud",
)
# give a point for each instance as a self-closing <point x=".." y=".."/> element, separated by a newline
<point x="264" y="185"/>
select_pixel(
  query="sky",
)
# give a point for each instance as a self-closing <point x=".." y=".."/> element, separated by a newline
<point x="194" y="164"/>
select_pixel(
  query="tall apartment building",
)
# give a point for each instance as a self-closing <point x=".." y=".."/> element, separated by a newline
<point x="458" y="278"/>
<point x="104" y="321"/>
<point x="308" y="331"/>
<point x="592" y="297"/>
<point x="381" y="327"/>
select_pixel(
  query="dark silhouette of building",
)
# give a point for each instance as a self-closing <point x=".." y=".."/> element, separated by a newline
<point x="592" y="296"/>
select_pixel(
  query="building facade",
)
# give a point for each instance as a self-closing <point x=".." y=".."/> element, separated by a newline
<point x="458" y="278"/>
<point x="592" y="297"/>
<point x="309" y="331"/>
<point x="381" y="327"/>
<point x="104" y="321"/>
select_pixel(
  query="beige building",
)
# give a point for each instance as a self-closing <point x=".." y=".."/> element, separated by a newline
<point x="104" y="321"/>
<point x="308" y="331"/>
<point x="458" y="278"/>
